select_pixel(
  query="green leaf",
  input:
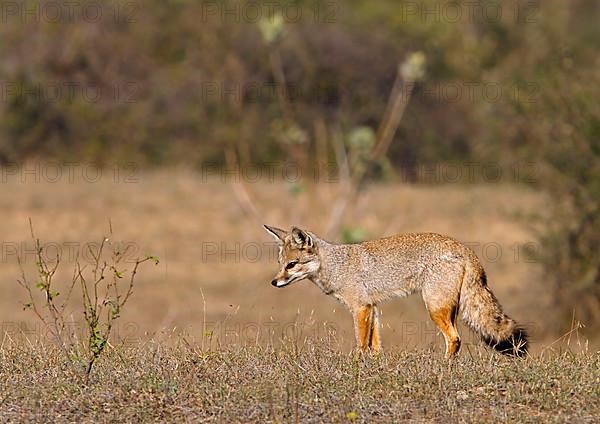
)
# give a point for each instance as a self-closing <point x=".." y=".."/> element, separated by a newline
<point x="361" y="138"/>
<point x="413" y="68"/>
<point x="271" y="27"/>
<point x="354" y="235"/>
<point x="297" y="188"/>
<point x="153" y="258"/>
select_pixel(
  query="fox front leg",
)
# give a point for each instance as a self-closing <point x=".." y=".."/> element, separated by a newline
<point x="366" y="328"/>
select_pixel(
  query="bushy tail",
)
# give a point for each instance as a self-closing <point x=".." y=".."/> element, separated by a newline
<point x="483" y="314"/>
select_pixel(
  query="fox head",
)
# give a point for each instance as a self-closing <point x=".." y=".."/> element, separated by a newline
<point x="298" y="256"/>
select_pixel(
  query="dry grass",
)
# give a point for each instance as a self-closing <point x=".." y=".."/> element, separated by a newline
<point x="309" y="382"/>
<point x="173" y="214"/>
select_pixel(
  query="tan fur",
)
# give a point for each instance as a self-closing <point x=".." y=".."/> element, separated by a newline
<point x="445" y="319"/>
<point x="446" y="272"/>
<point x="367" y="328"/>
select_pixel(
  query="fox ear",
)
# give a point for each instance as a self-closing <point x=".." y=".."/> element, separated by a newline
<point x="277" y="233"/>
<point x="301" y="238"/>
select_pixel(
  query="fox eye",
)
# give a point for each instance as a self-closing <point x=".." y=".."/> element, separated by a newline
<point x="291" y="264"/>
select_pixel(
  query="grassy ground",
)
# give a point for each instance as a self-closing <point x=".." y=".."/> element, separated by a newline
<point x="226" y="302"/>
<point x="291" y="383"/>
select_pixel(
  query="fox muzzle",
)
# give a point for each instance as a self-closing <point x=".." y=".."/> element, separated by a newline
<point x="280" y="283"/>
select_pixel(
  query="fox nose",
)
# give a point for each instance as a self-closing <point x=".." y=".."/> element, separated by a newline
<point x="274" y="283"/>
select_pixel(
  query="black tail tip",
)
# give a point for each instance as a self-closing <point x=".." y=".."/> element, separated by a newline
<point x="516" y="345"/>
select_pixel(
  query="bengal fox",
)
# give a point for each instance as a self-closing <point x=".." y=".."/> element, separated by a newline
<point x="361" y="276"/>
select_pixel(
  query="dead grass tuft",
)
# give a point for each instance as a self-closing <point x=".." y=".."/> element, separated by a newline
<point x="310" y="383"/>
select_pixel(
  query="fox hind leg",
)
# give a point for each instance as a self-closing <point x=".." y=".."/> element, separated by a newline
<point x="445" y="319"/>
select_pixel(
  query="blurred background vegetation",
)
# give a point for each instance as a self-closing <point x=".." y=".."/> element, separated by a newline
<point x="158" y="74"/>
